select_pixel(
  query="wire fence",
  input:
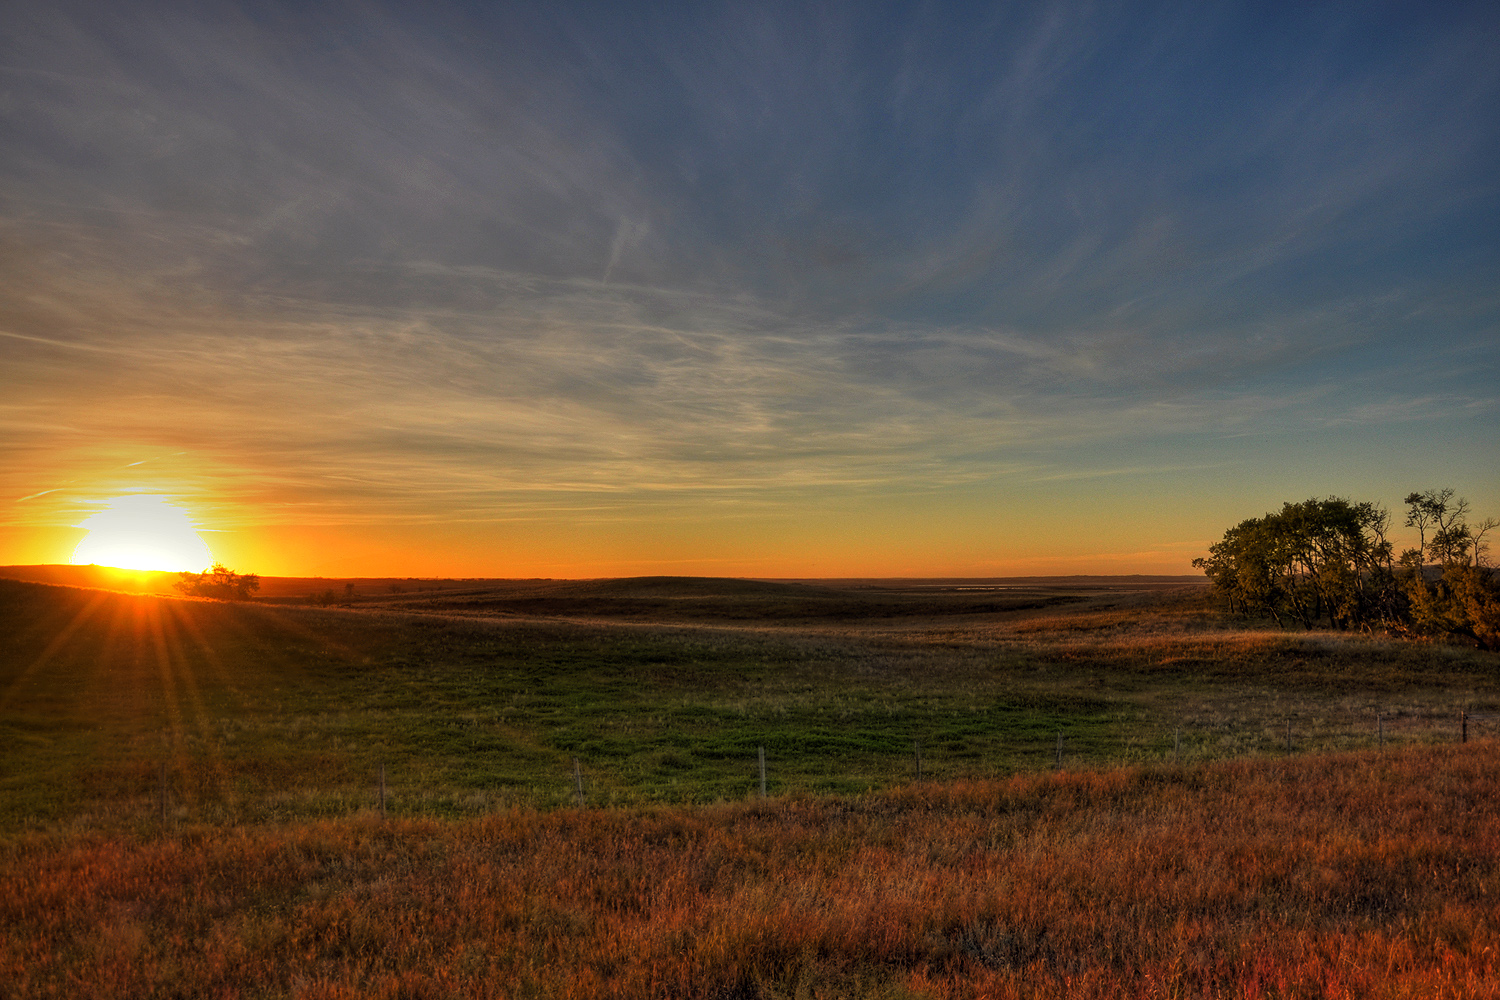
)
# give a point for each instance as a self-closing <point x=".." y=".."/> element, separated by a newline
<point x="582" y="779"/>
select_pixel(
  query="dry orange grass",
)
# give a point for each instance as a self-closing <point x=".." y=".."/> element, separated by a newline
<point x="1349" y="875"/>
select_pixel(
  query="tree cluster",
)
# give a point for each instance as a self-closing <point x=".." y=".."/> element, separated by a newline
<point x="1328" y="563"/>
<point x="220" y="583"/>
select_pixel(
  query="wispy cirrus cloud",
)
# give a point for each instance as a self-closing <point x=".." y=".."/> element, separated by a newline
<point x="357" y="263"/>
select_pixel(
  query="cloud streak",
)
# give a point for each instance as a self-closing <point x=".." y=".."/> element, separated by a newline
<point x="355" y="265"/>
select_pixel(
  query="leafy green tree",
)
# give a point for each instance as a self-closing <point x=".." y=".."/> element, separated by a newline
<point x="1329" y="563"/>
<point x="220" y="583"/>
<point x="1322" y="560"/>
<point x="1240" y="568"/>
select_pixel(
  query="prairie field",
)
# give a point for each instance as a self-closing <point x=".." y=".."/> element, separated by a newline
<point x="1026" y="788"/>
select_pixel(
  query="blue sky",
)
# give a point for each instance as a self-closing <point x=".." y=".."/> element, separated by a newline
<point x="954" y="288"/>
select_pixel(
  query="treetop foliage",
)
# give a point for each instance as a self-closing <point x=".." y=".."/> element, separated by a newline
<point x="219" y="582"/>
<point x="1328" y="562"/>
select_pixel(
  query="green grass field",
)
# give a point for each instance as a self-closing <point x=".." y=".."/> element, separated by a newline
<point x="662" y="689"/>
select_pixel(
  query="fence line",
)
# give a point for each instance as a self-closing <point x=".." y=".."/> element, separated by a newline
<point x="1459" y="734"/>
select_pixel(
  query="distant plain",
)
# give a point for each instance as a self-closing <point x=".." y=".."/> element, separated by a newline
<point x="479" y="695"/>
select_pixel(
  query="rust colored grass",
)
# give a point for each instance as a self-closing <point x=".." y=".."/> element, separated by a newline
<point x="1354" y="875"/>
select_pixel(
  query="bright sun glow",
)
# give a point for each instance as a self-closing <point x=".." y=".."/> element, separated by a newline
<point x="142" y="532"/>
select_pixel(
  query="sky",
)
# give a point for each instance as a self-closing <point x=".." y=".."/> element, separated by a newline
<point x="804" y="290"/>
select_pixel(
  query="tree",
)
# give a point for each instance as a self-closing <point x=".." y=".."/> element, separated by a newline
<point x="1449" y="589"/>
<point x="220" y="583"/>
<point x="1436" y="510"/>
<point x="1310" y="561"/>
<point x="1329" y="562"/>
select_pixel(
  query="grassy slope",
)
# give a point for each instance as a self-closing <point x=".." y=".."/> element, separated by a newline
<point x="270" y="712"/>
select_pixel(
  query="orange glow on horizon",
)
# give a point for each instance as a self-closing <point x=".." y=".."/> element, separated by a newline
<point x="564" y="551"/>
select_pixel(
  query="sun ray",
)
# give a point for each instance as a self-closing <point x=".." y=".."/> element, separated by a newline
<point x="143" y="675"/>
<point x="151" y="626"/>
<point x="55" y="646"/>
<point x="130" y="654"/>
<point x="187" y="617"/>
<point x="166" y="625"/>
<point x="183" y="623"/>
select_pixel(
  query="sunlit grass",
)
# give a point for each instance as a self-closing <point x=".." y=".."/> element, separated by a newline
<point x="1348" y="875"/>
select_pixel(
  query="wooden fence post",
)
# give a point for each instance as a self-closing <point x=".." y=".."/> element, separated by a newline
<point x="1288" y="735"/>
<point x="1059" y="748"/>
<point x="762" y="752"/>
<point x="1463" y="725"/>
<point x="916" y="746"/>
<point x="578" y="780"/>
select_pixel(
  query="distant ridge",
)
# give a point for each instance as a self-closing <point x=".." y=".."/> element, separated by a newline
<point x="158" y="582"/>
<point x="136" y="581"/>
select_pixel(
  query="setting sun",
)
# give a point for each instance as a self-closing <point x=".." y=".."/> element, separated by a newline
<point x="142" y="532"/>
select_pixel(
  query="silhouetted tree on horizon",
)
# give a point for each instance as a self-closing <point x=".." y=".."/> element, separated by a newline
<point x="220" y="583"/>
